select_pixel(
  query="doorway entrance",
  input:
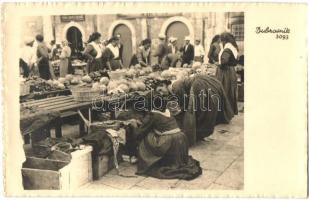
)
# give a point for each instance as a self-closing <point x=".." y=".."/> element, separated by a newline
<point x="126" y="41"/>
<point x="179" y="30"/>
<point x="74" y="37"/>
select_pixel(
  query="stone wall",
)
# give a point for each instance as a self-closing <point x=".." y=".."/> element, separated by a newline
<point x="204" y="26"/>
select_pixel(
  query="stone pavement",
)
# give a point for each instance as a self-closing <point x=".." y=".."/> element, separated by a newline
<point x="221" y="156"/>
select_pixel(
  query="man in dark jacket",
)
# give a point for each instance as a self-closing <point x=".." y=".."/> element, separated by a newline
<point x="187" y="52"/>
<point x="162" y="49"/>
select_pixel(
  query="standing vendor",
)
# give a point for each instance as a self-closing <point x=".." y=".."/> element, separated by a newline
<point x="93" y="52"/>
<point x="111" y="54"/>
<point x="64" y="59"/>
<point x="226" y="73"/>
<point x="161" y="50"/>
<point x="43" y="58"/>
<point x="142" y="56"/>
<point x="27" y="57"/>
<point x="199" y="51"/>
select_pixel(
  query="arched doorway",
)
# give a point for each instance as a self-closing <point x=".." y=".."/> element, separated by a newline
<point x="179" y="30"/>
<point x="126" y="41"/>
<point x="74" y="37"/>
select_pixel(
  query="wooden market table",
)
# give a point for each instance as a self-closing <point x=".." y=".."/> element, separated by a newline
<point x="67" y="106"/>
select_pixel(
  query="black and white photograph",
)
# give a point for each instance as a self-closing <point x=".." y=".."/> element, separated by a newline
<point x="144" y="101"/>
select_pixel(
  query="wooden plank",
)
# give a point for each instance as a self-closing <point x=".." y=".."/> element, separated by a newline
<point x="59" y="105"/>
<point x="56" y="104"/>
<point x="73" y="107"/>
<point x="48" y="100"/>
<point x="51" y="99"/>
<point x="38" y="100"/>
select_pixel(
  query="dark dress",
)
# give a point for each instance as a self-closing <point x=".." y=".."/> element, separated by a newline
<point x="108" y="56"/>
<point x="141" y="57"/>
<point x="43" y="64"/>
<point x="227" y="76"/>
<point x="188" y="54"/>
<point x="213" y="54"/>
<point x="161" y="52"/>
<point x="163" y="154"/>
<point x="204" y="104"/>
<point x="93" y="63"/>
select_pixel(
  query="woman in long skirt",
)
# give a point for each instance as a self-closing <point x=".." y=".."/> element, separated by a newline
<point x="93" y="52"/>
<point x="163" y="148"/>
<point x="225" y="71"/>
<point x="43" y="58"/>
<point x="111" y="55"/>
<point x="64" y="59"/>
<point x="202" y="104"/>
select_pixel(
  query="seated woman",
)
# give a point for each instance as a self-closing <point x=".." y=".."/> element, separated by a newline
<point x="203" y="104"/>
<point x="163" y="147"/>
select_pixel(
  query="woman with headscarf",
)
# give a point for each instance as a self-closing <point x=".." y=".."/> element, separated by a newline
<point x="163" y="149"/>
<point x="42" y="53"/>
<point x="214" y="49"/>
<point x="64" y="59"/>
<point x="225" y="71"/>
<point x="27" y="57"/>
<point x="111" y="55"/>
<point x="202" y="104"/>
<point x="142" y="55"/>
<point x="93" y="52"/>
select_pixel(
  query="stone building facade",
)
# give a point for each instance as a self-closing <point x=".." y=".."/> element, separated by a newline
<point x="136" y="27"/>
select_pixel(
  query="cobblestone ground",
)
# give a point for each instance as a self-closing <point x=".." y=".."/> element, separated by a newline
<point x="221" y="157"/>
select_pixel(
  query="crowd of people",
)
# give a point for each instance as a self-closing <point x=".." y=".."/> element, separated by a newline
<point x="164" y="135"/>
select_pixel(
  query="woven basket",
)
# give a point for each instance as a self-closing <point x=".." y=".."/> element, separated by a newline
<point x="115" y="75"/>
<point x="85" y="94"/>
<point x="24" y="89"/>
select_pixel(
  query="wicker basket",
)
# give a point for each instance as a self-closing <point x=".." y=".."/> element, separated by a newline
<point x="85" y="94"/>
<point x="116" y="75"/>
<point x="24" y="89"/>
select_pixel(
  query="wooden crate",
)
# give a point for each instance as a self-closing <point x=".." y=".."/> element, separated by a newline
<point x="101" y="165"/>
<point x="44" y="174"/>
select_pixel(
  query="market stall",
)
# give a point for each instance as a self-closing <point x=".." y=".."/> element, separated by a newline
<point x="87" y="94"/>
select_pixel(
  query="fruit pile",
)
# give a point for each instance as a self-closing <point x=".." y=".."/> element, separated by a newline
<point x="96" y="76"/>
<point x="137" y="70"/>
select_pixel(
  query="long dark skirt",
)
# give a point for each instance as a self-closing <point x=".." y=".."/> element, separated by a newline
<point x="166" y="157"/>
<point x="228" y="78"/>
<point x="25" y="67"/>
<point x="95" y="65"/>
<point x="115" y="64"/>
<point x="44" y="70"/>
<point x="210" y="107"/>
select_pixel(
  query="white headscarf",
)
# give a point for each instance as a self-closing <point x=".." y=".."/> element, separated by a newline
<point x="231" y="47"/>
<point x="97" y="47"/>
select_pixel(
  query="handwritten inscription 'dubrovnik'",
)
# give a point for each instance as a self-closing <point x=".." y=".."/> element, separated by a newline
<point x="281" y="33"/>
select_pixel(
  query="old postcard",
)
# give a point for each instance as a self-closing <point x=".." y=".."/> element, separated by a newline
<point x="155" y="99"/>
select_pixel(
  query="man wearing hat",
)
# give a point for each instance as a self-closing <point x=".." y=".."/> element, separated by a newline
<point x="172" y="47"/>
<point x="187" y="52"/>
<point x="161" y="50"/>
<point x="199" y="51"/>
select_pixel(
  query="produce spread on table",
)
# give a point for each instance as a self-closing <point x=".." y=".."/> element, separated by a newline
<point x="133" y="79"/>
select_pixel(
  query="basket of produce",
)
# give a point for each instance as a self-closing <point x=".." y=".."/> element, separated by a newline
<point x="85" y="93"/>
<point x="118" y="74"/>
